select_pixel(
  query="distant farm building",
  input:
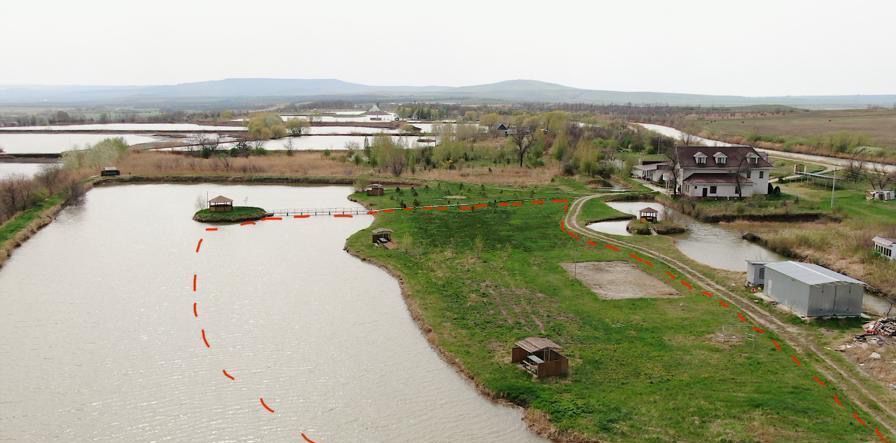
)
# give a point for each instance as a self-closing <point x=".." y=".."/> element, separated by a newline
<point x="220" y="204"/>
<point x="881" y="195"/>
<point x="810" y="290"/>
<point x="540" y="356"/>
<point x="648" y="214"/>
<point x="886" y="247"/>
<point x="110" y="171"/>
<point x="502" y="129"/>
<point x="658" y="171"/>
<point x="375" y="189"/>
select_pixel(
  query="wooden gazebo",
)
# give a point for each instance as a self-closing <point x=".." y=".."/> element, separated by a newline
<point x="220" y="204"/>
<point x="540" y="356"/>
<point x="648" y="214"/>
<point x="375" y="189"/>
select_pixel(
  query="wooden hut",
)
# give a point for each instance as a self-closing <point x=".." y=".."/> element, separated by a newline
<point x="648" y="214"/>
<point x="110" y="171"/>
<point x="382" y="236"/>
<point x="540" y="356"/>
<point x="375" y="189"/>
<point x="220" y="204"/>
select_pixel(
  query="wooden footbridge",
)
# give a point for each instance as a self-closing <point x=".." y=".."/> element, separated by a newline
<point x="318" y="211"/>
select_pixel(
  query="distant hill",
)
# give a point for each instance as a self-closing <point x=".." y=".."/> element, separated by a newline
<point x="268" y="90"/>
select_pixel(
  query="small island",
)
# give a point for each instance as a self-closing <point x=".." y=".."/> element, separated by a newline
<point x="221" y="210"/>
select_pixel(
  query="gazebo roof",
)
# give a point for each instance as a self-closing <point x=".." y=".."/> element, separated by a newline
<point x="649" y="210"/>
<point x="533" y="344"/>
<point x="220" y="200"/>
<point x="382" y="231"/>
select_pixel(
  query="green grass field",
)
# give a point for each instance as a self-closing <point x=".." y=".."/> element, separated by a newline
<point x="19" y="222"/>
<point x="641" y="370"/>
<point x="238" y="214"/>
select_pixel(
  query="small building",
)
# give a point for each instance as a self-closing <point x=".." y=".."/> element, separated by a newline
<point x="810" y="290"/>
<point x="220" y="204"/>
<point x="886" y="247"/>
<point x="110" y="171"/>
<point x="375" y="189"/>
<point x="382" y="236"/>
<point x="540" y="356"/>
<point x="756" y="273"/>
<point x="648" y="214"/>
<point x="880" y="194"/>
<point x="502" y="129"/>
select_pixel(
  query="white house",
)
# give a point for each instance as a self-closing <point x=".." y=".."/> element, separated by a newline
<point x="721" y="172"/>
<point x="886" y="247"/>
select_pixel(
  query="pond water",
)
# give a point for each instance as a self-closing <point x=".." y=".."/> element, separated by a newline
<point x="349" y="130"/>
<point x="55" y="143"/>
<point x="706" y="243"/>
<point x="331" y="142"/>
<point x="24" y="169"/>
<point x="99" y="342"/>
<point x="677" y="135"/>
<point x="174" y="127"/>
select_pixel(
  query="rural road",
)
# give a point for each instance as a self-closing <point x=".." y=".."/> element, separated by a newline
<point x="881" y="409"/>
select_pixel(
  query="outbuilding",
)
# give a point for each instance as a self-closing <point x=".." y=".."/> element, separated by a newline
<point x="110" y="171"/>
<point x="880" y="194"/>
<point x="886" y="247"/>
<point x="220" y="204"/>
<point x="756" y="273"/>
<point x="809" y="290"/>
<point x="648" y="214"/>
<point x="540" y="356"/>
<point x="375" y="189"/>
<point x="381" y="236"/>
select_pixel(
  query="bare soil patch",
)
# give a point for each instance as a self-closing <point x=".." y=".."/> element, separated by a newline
<point x="617" y="280"/>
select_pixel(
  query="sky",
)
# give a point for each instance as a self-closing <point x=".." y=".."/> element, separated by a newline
<point x="743" y="47"/>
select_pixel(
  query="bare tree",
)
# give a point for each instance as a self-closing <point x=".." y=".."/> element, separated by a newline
<point x="855" y="166"/>
<point x="522" y="138"/>
<point x="880" y="178"/>
<point x="744" y="170"/>
<point x="50" y="177"/>
<point x="671" y="153"/>
<point x="289" y="146"/>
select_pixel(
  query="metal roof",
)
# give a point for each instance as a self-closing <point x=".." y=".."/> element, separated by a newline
<point x="810" y="274"/>
<point x="533" y="344"/>
<point x="884" y="241"/>
<point x="220" y="199"/>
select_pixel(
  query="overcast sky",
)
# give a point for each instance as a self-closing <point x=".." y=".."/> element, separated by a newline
<point x="744" y="47"/>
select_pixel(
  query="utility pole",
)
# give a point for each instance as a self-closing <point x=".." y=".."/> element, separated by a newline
<point x="833" y="187"/>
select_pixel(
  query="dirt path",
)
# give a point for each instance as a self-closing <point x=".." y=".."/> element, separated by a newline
<point x="881" y="409"/>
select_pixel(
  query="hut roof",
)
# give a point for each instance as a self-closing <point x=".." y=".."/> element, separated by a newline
<point x="649" y="210"/>
<point x="375" y="185"/>
<point x="105" y="168"/>
<point x="220" y="200"/>
<point x="382" y="231"/>
<point x="533" y="344"/>
<point x="884" y="241"/>
<point x="810" y="273"/>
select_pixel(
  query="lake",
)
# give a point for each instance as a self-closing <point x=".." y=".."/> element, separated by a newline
<point x="99" y="341"/>
<point x="25" y="169"/>
<point x="55" y="143"/>
<point x="706" y="243"/>
<point x="169" y="127"/>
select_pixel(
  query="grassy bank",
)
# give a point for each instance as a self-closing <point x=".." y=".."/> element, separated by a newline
<point x="21" y="227"/>
<point x="238" y="214"/>
<point x="641" y="369"/>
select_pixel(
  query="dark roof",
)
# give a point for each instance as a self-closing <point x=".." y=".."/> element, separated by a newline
<point x="715" y="178"/>
<point x="382" y="231"/>
<point x="533" y="344"/>
<point x="220" y="200"/>
<point x="735" y="154"/>
<point x="649" y="210"/>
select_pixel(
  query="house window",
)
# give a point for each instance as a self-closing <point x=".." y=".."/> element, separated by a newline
<point x="712" y="189"/>
<point x="701" y="160"/>
<point x="761" y="174"/>
<point x="721" y="160"/>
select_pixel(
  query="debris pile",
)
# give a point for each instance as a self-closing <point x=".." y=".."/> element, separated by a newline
<point x="885" y="327"/>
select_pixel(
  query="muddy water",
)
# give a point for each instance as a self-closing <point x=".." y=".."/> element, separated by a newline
<point x="706" y="243"/>
<point x="98" y="340"/>
<point x="21" y="169"/>
<point x="55" y="143"/>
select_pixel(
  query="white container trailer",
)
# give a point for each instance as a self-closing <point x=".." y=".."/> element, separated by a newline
<point x="813" y="291"/>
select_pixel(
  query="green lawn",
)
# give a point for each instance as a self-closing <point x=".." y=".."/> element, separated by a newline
<point x="17" y="223"/>
<point x="595" y="210"/>
<point x="641" y="370"/>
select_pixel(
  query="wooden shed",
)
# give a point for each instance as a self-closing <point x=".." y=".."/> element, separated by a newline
<point x="110" y="171"/>
<point x="382" y="236"/>
<point x="540" y="356"/>
<point x="648" y="214"/>
<point x="220" y="203"/>
<point x="375" y="189"/>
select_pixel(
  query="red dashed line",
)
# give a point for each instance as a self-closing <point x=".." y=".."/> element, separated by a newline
<point x="707" y="293"/>
<point x="305" y="215"/>
<point x="723" y="304"/>
<point x="671" y="275"/>
<point x="265" y="405"/>
<point x="371" y="212"/>
<point x="465" y="208"/>
<point x="388" y="211"/>
<point x="226" y="374"/>
<point x="205" y="340"/>
<point x="194" y="282"/>
<point x="195" y="312"/>
<point x="503" y="204"/>
<point x="855" y="415"/>
<point x="198" y="245"/>
<point x="537" y="202"/>
<point x="516" y="204"/>
<point x="342" y="215"/>
<point x="611" y="247"/>
<point x="758" y="330"/>
<point x="559" y="200"/>
<point x="777" y="345"/>
<point x="592" y="243"/>
<point x="480" y="206"/>
<point x="211" y="229"/>
<point x="247" y="223"/>
<point x="307" y="440"/>
<point x="686" y="284"/>
<point x="819" y="381"/>
<point x="880" y="435"/>
<point x="796" y="361"/>
<point x="837" y="401"/>
<point x="741" y="318"/>
<point x="272" y="218"/>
